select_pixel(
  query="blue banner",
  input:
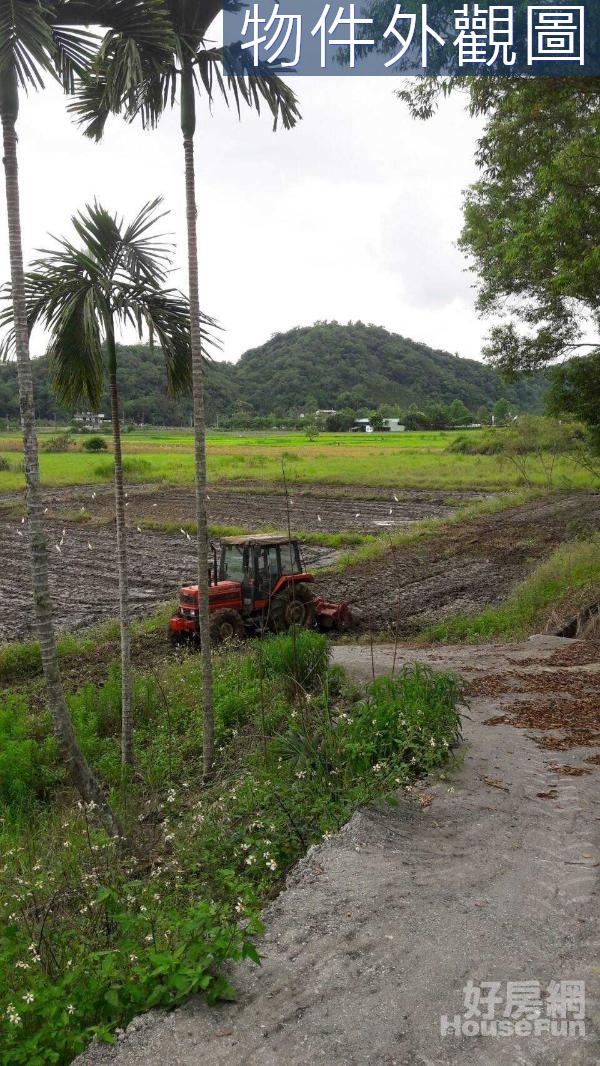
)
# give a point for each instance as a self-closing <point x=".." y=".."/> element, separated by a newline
<point x="381" y="37"/>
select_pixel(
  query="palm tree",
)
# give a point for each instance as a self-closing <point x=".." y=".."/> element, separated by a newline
<point x="38" y="38"/>
<point x="192" y="66"/>
<point x="81" y="294"/>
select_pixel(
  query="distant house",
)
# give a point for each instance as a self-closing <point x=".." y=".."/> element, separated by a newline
<point x="362" y="425"/>
<point x="325" y="412"/>
<point x="389" y="425"/>
<point x="89" y="420"/>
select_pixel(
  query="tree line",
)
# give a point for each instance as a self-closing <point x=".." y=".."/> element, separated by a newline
<point x="357" y="367"/>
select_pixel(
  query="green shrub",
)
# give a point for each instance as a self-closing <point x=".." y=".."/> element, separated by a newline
<point x="18" y="659"/>
<point x="61" y="443"/>
<point x="410" y="719"/>
<point x="29" y="767"/>
<point x="158" y="963"/>
<point x="4" y="463"/>
<point x="299" y="659"/>
<point x="95" y="444"/>
<point x="490" y="443"/>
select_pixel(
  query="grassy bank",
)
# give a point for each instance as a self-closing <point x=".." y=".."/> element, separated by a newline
<point x="561" y="583"/>
<point x="91" y="935"/>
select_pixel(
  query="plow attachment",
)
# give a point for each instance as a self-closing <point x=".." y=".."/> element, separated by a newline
<point x="332" y="615"/>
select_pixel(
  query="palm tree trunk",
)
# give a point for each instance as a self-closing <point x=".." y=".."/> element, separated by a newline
<point x="81" y="774"/>
<point x="126" y="712"/>
<point x="188" y="126"/>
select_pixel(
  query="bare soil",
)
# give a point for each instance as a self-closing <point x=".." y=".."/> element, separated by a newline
<point x="313" y="509"/>
<point x="462" y="567"/>
<point x="465" y="567"/>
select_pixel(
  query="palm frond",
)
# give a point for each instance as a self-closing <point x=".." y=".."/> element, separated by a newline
<point x="26" y="42"/>
<point x="251" y="84"/>
<point x="111" y="277"/>
<point x="137" y="50"/>
<point x="40" y="37"/>
<point x="145" y="255"/>
<point x="75" y="350"/>
<point x="167" y="314"/>
<point x="74" y="51"/>
<point x="141" y="82"/>
<point x="91" y="104"/>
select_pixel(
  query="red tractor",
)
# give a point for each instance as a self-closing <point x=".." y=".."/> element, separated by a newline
<point x="257" y="583"/>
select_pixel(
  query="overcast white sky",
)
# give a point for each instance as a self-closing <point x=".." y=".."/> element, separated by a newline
<point x="352" y="215"/>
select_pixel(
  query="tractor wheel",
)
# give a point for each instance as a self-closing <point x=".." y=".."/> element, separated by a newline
<point x="294" y="605"/>
<point x="226" y="625"/>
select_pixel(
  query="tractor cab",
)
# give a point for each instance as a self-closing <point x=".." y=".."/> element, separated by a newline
<point x="260" y="564"/>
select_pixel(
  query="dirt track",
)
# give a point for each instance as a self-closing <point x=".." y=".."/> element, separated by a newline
<point x="469" y="565"/>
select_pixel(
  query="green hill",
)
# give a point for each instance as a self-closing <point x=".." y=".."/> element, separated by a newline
<point x="358" y="366"/>
<point x="321" y="366"/>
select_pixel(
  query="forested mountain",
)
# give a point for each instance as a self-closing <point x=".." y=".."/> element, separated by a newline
<point x="327" y="365"/>
<point x="358" y="366"/>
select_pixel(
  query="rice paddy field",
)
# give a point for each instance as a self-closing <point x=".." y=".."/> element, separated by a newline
<point x="395" y="461"/>
<point x="407" y="532"/>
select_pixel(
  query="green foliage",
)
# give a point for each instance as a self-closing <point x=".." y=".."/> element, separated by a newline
<point x="134" y="467"/>
<point x="95" y="444"/>
<point x="63" y="442"/>
<point x="532" y="224"/>
<point x="29" y="765"/>
<point x="501" y="411"/>
<point x="575" y="391"/>
<point x="90" y="935"/>
<point x="409" y="720"/>
<point x="533" y="446"/>
<point x="299" y="658"/>
<point x="458" y="414"/>
<point x="153" y="966"/>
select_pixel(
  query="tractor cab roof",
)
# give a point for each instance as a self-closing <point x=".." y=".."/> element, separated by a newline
<point x="260" y="539"/>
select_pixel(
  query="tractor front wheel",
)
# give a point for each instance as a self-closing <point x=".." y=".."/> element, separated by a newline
<point x="294" y="605"/>
<point x="226" y="625"/>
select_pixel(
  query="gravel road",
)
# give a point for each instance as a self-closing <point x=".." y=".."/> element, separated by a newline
<point x="489" y="875"/>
